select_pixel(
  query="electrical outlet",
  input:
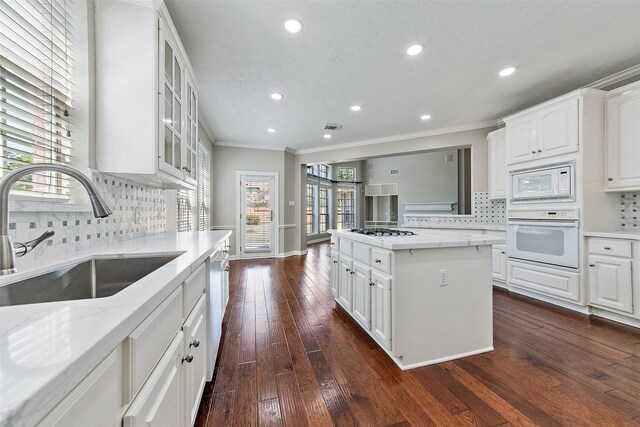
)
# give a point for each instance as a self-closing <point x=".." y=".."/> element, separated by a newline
<point x="292" y="203"/>
<point x="444" y="277"/>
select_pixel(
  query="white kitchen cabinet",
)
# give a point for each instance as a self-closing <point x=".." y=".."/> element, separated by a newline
<point x="554" y="282"/>
<point x="610" y="284"/>
<point x="146" y="96"/>
<point x="499" y="264"/>
<point x="622" y="138"/>
<point x="335" y="276"/>
<point x="497" y="145"/>
<point x="195" y="359"/>
<point x="381" y="309"/>
<point x="96" y="401"/>
<point x="160" y="402"/>
<point x="345" y="285"/>
<point x="546" y="131"/>
<point x="361" y="301"/>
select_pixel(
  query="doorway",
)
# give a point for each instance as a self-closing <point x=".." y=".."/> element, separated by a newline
<point x="257" y="214"/>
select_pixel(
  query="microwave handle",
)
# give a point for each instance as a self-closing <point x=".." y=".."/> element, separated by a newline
<point x="545" y="223"/>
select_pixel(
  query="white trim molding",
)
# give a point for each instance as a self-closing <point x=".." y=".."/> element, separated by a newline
<point x="285" y="226"/>
<point x="292" y="253"/>
<point x="629" y="73"/>
<point x="253" y="146"/>
<point x="222" y="227"/>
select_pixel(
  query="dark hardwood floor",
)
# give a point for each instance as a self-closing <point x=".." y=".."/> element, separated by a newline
<point x="289" y="358"/>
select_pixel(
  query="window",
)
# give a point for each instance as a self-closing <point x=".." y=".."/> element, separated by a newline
<point x="346" y="174"/>
<point x="323" y="208"/>
<point x="36" y="91"/>
<point x="319" y="171"/>
<point x="203" y="187"/>
<point x="185" y="214"/>
<point x="311" y="209"/>
<point x="345" y="204"/>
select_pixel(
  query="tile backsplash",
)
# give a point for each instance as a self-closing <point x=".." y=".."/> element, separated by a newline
<point x="630" y="211"/>
<point x="138" y="210"/>
<point x="486" y="212"/>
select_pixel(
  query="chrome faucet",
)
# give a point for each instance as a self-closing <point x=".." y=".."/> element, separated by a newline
<point x="8" y="252"/>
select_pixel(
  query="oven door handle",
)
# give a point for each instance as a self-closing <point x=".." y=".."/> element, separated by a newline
<point x="546" y="223"/>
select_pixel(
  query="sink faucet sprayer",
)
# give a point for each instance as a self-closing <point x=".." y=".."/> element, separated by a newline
<point x="8" y="252"/>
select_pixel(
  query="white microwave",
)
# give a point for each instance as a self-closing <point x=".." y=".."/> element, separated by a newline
<point x="554" y="182"/>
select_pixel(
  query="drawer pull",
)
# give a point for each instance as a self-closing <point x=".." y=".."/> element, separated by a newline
<point x="378" y="261"/>
<point x="502" y="252"/>
<point x="188" y="358"/>
<point x="592" y="265"/>
<point x="194" y="343"/>
<point x="539" y="151"/>
<point x="607" y="248"/>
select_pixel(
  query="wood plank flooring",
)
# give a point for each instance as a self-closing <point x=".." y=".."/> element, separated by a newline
<point x="290" y="358"/>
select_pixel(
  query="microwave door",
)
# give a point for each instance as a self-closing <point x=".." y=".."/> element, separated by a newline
<point x="535" y="185"/>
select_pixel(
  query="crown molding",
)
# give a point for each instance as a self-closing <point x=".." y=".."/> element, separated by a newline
<point x="252" y="146"/>
<point x="616" y="78"/>
<point x="401" y="137"/>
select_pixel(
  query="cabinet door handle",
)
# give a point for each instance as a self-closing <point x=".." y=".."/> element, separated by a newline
<point x="378" y="261"/>
<point x="188" y="358"/>
<point x="607" y="248"/>
<point x="592" y="265"/>
<point x="609" y="179"/>
<point x="194" y="343"/>
<point x="502" y="252"/>
<point x="539" y="151"/>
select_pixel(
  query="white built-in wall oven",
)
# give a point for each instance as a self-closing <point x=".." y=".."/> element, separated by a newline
<point x="545" y="236"/>
<point x="549" y="183"/>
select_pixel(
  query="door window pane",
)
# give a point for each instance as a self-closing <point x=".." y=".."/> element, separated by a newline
<point x="345" y="205"/>
<point x="257" y="215"/>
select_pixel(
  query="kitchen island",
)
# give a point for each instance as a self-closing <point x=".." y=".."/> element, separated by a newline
<point x="97" y="361"/>
<point x="425" y="298"/>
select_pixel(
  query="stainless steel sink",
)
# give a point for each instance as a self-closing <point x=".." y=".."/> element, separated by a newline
<point x="96" y="278"/>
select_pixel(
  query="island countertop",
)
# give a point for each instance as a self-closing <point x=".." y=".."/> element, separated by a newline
<point x="422" y="239"/>
<point x="47" y="349"/>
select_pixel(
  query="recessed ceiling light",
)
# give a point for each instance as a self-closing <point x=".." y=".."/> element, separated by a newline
<point x="326" y="136"/>
<point x="415" y="49"/>
<point x="276" y="96"/>
<point x="425" y="117"/>
<point x="507" y="71"/>
<point x="356" y="107"/>
<point x="293" y="25"/>
<point x="271" y="130"/>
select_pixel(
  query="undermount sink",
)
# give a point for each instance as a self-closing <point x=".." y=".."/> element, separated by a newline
<point x="96" y="278"/>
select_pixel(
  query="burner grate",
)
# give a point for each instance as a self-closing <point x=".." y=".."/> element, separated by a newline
<point x="382" y="232"/>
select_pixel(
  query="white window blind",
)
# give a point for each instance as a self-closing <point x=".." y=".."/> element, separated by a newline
<point x="203" y="187"/>
<point x="36" y="90"/>
<point x="185" y="216"/>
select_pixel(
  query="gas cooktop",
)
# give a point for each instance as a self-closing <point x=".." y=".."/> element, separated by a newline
<point x="380" y="232"/>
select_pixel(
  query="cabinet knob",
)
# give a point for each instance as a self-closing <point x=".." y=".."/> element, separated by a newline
<point x="335" y="262"/>
<point x="607" y="248"/>
<point x="592" y="265"/>
<point x="353" y="272"/>
<point x="609" y="179"/>
<point x="371" y="284"/>
<point x="227" y="269"/>
<point x="378" y="261"/>
<point x="188" y="358"/>
<point x="194" y="343"/>
<point x="348" y="269"/>
<point x="533" y="151"/>
<point x="333" y="243"/>
<point x="539" y="151"/>
<point x="502" y="252"/>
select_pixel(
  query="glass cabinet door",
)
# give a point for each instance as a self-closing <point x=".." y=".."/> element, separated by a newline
<point x="191" y="140"/>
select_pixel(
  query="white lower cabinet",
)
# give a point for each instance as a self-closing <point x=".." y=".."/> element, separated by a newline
<point x="335" y="276"/>
<point x="160" y="401"/>
<point x="345" y="283"/>
<point x="381" y="308"/>
<point x="610" y="284"/>
<point x="549" y="281"/>
<point x="362" y="294"/>
<point x="499" y="264"/>
<point x="195" y="359"/>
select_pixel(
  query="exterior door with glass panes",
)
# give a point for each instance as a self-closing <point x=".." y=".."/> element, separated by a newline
<point x="346" y="207"/>
<point x="257" y="217"/>
<point x="171" y="104"/>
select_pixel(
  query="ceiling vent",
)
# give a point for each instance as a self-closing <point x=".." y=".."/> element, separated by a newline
<point x="332" y="126"/>
<point x="393" y="171"/>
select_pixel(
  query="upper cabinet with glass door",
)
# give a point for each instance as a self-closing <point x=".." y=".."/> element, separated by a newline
<point x="147" y="96"/>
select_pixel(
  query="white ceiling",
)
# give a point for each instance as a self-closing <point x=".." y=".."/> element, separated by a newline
<point x="353" y="52"/>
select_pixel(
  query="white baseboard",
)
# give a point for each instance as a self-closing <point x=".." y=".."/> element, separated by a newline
<point x="441" y="359"/>
<point x="320" y="239"/>
<point x="551" y="300"/>
<point x="292" y="253"/>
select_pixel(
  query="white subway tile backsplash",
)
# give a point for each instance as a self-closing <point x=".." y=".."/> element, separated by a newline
<point x="80" y="230"/>
<point x="630" y="211"/>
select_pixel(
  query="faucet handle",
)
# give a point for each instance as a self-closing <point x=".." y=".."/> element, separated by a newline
<point x="21" y="249"/>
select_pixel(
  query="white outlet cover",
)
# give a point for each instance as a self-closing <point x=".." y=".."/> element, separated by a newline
<point x="292" y="203"/>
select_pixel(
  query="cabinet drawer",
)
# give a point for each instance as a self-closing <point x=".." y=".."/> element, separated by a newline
<point x="192" y="289"/>
<point x="381" y="260"/>
<point x="361" y="253"/>
<point x="612" y="247"/>
<point x="334" y="242"/>
<point x="550" y="281"/>
<point x="144" y="347"/>
<point x="345" y="246"/>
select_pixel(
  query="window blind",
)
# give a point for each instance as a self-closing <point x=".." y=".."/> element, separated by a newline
<point x="203" y="187"/>
<point x="186" y="199"/>
<point x="36" y="91"/>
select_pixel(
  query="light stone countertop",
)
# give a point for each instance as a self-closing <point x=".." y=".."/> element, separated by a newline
<point x="47" y="349"/>
<point x="618" y="234"/>
<point x="423" y="239"/>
